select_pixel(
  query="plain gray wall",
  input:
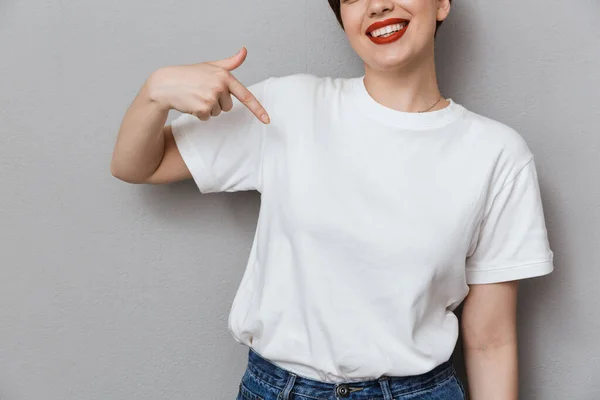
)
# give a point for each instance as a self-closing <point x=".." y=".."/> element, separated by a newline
<point x="116" y="291"/>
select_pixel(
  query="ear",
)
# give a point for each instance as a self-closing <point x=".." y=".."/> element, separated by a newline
<point x="443" y="9"/>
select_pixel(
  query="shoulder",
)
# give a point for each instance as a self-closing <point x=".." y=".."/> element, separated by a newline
<point x="496" y="147"/>
<point x="297" y="93"/>
<point x="297" y="79"/>
<point x="303" y="83"/>
<point x="496" y="138"/>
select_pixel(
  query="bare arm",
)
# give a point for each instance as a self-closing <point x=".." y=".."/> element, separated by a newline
<point x="490" y="341"/>
<point x="145" y="151"/>
<point x="140" y="142"/>
<point x="172" y="168"/>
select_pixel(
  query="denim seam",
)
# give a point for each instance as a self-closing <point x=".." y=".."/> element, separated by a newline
<point x="277" y="387"/>
<point x="262" y="380"/>
<point x="461" y="386"/>
<point x="430" y="387"/>
<point x="247" y="389"/>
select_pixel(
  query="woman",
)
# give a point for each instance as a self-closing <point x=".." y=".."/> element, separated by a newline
<point x="383" y="207"/>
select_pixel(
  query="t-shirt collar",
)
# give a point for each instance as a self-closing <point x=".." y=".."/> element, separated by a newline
<point x="409" y="120"/>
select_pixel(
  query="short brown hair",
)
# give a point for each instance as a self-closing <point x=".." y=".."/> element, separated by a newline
<point x="335" y="6"/>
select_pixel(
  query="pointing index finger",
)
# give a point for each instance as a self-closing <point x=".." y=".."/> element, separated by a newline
<point x="244" y="95"/>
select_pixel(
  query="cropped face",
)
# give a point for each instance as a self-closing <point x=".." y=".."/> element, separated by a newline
<point x="390" y="34"/>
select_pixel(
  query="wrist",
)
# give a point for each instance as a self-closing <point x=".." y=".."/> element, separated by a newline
<point x="152" y="91"/>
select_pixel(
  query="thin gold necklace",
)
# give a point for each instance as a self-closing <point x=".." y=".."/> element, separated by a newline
<point x="432" y="105"/>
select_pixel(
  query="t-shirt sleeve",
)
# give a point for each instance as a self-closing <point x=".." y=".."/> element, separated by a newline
<point x="224" y="154"/>
<point x="513" y="241"/>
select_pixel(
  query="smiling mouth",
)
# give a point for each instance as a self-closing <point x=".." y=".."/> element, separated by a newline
<point x="388" y="30"/>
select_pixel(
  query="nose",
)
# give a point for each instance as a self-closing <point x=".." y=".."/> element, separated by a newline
<point x="378" y="7"/>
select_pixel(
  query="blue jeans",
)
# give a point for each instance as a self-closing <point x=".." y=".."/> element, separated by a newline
<point x="264" y="380"/>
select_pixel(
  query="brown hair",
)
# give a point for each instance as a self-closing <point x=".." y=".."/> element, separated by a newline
<point x="335" y="6"/>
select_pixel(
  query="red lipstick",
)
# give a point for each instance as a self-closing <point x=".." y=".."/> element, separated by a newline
<point x="388" y="39"/>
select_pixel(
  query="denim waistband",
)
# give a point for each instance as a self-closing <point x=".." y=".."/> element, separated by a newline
<point x="386" y="387"/>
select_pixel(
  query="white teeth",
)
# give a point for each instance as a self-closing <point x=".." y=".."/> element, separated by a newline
<point x="387" y="30"/>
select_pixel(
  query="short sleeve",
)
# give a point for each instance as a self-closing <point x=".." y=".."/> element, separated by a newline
<point x="224" y="154"/>
<point x="512" y="241"/>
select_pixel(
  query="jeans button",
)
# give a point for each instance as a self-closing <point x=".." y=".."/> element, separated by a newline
<point x="342" y="390"/>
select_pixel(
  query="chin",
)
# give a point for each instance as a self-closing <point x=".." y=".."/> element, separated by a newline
<point x="388" y="62"/>
<point x="395" y="59"/>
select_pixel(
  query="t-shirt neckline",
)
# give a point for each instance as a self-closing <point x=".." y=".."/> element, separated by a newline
<point x="404" y="119"/>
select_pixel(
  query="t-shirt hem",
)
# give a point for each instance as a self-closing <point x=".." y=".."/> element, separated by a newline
<point x="191" y="157"/>
<point x="522" y="271"/>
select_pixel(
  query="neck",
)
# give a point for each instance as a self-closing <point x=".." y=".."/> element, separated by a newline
<point x="411" y="88"/>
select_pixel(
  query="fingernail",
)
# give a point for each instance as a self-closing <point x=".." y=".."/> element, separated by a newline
<point x="265" y="118"/>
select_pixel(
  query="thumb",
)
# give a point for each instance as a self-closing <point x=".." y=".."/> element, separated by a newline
<point x="231" y="63"/>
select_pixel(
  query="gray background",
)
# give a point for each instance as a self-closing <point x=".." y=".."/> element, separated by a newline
<point x="117" y="291"/>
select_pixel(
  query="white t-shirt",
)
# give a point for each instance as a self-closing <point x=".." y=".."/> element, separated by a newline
<point x="372" y="223"/>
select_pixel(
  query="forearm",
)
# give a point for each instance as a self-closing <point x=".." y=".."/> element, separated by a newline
<point x="492" y="371"/>
<point x="140" y="141"/>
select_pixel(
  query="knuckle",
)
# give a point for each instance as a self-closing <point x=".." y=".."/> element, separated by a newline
<point x="219" y="86"/>
<point x="208" y="100"/>
<point x="203" y="109"/>
<point x="247" y="97"/>
<point x="223" y="75"/>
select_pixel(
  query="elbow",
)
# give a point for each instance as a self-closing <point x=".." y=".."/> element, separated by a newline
<point x="115" y="172"/>
<point x="490" y="335"/>
<point x="489" y="318"/>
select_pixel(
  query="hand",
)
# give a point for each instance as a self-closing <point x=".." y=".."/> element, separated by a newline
<point x="203" y="89"/>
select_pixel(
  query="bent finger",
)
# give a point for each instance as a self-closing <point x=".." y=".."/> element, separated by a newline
<point x="225" y="101"/>
<point x="216" y="110"/>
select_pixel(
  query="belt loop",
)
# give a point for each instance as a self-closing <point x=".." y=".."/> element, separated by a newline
<point x="285" y="394"/>
<point x="384" y="382"/>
